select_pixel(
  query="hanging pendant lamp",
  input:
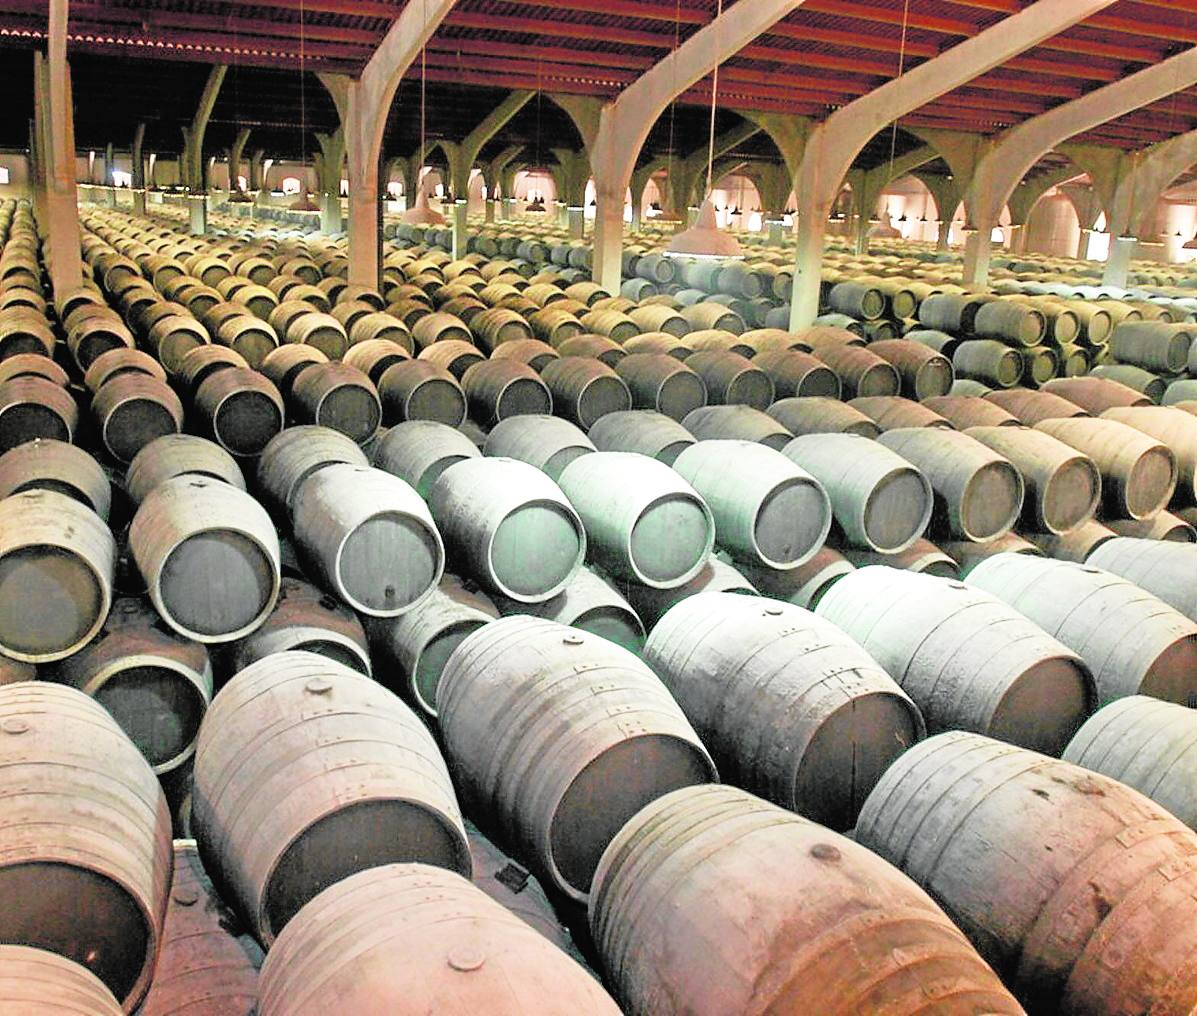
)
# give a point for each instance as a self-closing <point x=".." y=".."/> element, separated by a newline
<point x="421" y="214"/>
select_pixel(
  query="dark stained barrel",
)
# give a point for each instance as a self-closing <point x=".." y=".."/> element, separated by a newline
<point x="418" y="390"/>
<point x="46" y="464"/>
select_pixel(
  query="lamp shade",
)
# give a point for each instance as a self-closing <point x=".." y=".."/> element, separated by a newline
<point x="420" y="214"/>
<point x="705" y="238"/>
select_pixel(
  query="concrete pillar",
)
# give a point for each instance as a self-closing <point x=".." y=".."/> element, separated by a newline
<point x="977" y="252"/>
<point x="508" y="208"/>
<point x="576" y="218"/>
<point x="1082" y="245"/>
<point x="777" y="231"/>
<point x="137" y="171"/>
<point x="330" y="213"/>
<point x="1117" y="270"/>
<point x="461" y="208"/>
<point x="808" y="261"/>
<point x="109" y="178"/>
<point x="197" y="214"/>
<point x="608" y="244"/>
<point x="691" y="215"/>
<point x="489" y="210"/>
<point x="943" y="238"/>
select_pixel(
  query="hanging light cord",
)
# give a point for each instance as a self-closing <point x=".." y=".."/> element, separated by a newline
<point x="715" y="102"/>
<point x="893" y="136"/>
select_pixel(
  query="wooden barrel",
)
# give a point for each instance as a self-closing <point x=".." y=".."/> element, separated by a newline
<point x="978" y="493"/>
<point x="1164" y="526"/>
<point x="1067" y="599"/>
<point x="122" y="361"/>
<point x="643" y="521"/>
<point x="1095" y="394"/>
<point x="33" y="407"/>
<point x="715" y="340"/>
<point x="204" y="361"/>
<point x="677" y="913"/>
<point x="922" y="557"/>
<point x="57" y="466"/>
<point x="922" y="371"/>
<point x="250" y="336"/>
<point x="555" y="326"/>
<point x="767" y="510"/>
<point x="1033" y="407"/>
<point x="339" y="397"/>
<point x="716" y="575"/>
<point x="837" y="704"/>
<point x="820" y="415"/>
<point x="35" y="982"/>
<point x="418" y="451"/>
<point x="293" y="456"/>
<point x="950" y="312"/>
<point x="1073" y="361"/>
<point x="968" y="554"/>
<point x="1075" y="545"/>
<point x="373" y="356"/>
<point x="965" y="386"/>
<point x="208" y="962"/>
<point x="892" y="412"/>
<point x="241" y="409"/>
<point x="585" y="390"/>
<point x="740" y="423"/>
<point x="1044" y="932"/>
<point x="704" y="316"/>
<point x="989" y="362"/>
<point x="132" y="410"/>
<point x="1175" y="428"/>
<point x="284" y="365"/>
<point x="36" y="365"/>
<point x="84" y="837"/>
<point x="209" y="555"/>
<point x="369" y="537"/>
<point x="1153" y="345"/>
<point x="490" y="510"/>
<point x="616" y="741"/>
<point x="418" y="390"/>
<point x="57" y="564"/>
<point x="795" y="373"/>
<point x="618" y="327"/>
<point x="964" y="411"/>
<point x="306" y="772"/>
<point x="1015" y="324"/>
<point x="171" y="338"/>
<point x="661" y="383"/>
<point x="1163" y="568"/>
<point x="643" y="431"/>
<point x="531" y="352"/>
<point x="857" y="299"/>
<point x="658" y="342"/>
<point x="413" y="648"/>
<point x="1095" y="321"/>
<point x="502" y="388"/>
<point x="1150" y="385"/>
<point x="1183" y="390"/>
<point x="655" y="318"/>
<point x="455" y="947"/>
<point x="93" y="337"/>
<point x="860" y="372"/>
<point x="1138" y="473"/>
<point x="25" y="332"/>
<point x="596" y="347"/>
<point x="939" y="342"/>
<point x="1146" y="744"/>
<point x="497" y="325"/>
<point x="546" y="442"/>
<point x="879" y="500"/>
<point x="1063" y="486"/>
<point x="969" y="661"/>
<point x="731" y="379"/>
<point x="321" y="331"/>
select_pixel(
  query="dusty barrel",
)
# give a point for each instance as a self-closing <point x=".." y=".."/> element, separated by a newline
<point x="968" y="554"/>
<point x="1091" y="611"/>
<point x="36" y="365"/>
<point x="1095" y="394"/>
<point x="294" y="455"/>
<point x="1094" y="927"/>
<point x="491" y="510"/>
<point x="154" y="684"/>
<point x="714" y="340"/>
<point x="209" y="555"/>
<point x="284" y="365"/>
<point x="819" y="415"/>
<point x="922" y="556"/>
<point x="531" y="352"/>
<point x="892" y="412"/>
<point x="715" y="576"/>
<point x="1153" y="345"/>
<point x="1076" y="545"/>
<point x="84" y="837"/>
<point x="94" y="336"/>
<point x="731" y="379"/>
<point x="656" y="342"/>
<point x="1181" y="390"/>
<point x="603" y="740"/>
<point x="1063" y="486"/>
<point x="35" y="982"/>
<point x="643" y="431"/>
<point x="307" y="771"/>
<point x="790" y="707"/>
<point x="241" y="409"/>
<point x="250" y="336"/>
<point x="133" y="409"/>
<point x="1150" y="385"/>
<point x="34" y="407"/>
<point x="546" y="442"/>
<point x="452" y="355"/>
<point x="373" y="356"/>
<point x="969" y="661"/>
<point x="426" y="939"/>
<point x="1016" y="324"/>
<point x="590" y="603"/>
<point x="596" y="347"/>
<point x="340" y="397"/>
<point x="173" y="455"/>
<point x="661" y="383"/>
<point x="1173" y="427"/>
<point x="767" y="510"/>
<point x="1165" y="526"/>
<point x="413" y="648"/>
<point x="585" y="390"/>
<point x="321" y="331"/>
<point x="643" y="520"/>
<point x="879" y="500"/>
<point x="722" y="903"/>
<point x="1162" y="568"/>
<point x="978" y="493"/>
<point x="122" y="361"/>
<point x="857" y="299"/>
<point x="418" y="451"/>
<point x="172" y="338"/>
<point x="57" y="563"/>
<point x="795" y="373"/>
<point x="923" y="372"/>
<point x="1033" y="407"/>
<point x="989" y="362"/>
<point x="503" y="388"/>
<point x="964" y="411"/>
<point x="418" y="390"/>
<point x="208" y="963"/>
<point x="1138" y="473"/>
<point x="204" y="361"/>
<point x="57" y="466"/>
<point x="369" y="537"/>
<point x="860" y="372"/>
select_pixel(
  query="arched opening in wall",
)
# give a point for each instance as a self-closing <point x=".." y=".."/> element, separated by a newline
<point x="291" y="185"/>
<point x="1098" y="248"/>
<point x="121" y="179"/>
<point x="242" y="184"/>
<point x="737" y="203"/>
<point x="1053" y="227"/>
<point x="912" y="209"/>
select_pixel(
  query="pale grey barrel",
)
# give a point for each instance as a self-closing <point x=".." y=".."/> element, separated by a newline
<point x="85" y="850"/>
<point x="721" y="903"/>
<point x="922" y="556"/>
<point x="716" y="576"/>
<point x="643" y="520"/>
<point x="418" y="451"/>
<point x="370" y="538"/>
<point x="413" y="648"/>
<point x="294" y="455"/>
<point x="803" y="586"/>
<point x="491" y="511"/>
<point x="1092" y="611"/>
<point x="585" y="390"/>
<point x="1173" y="427"/>
<point x="133" y="409"/>
<point x="1153" y="345"/>
<point x="502" y="388"/>
<point x="1181" y="390"/>
<point x="309" y="620"/>
<point x="968" y="554"/>
<point x="1151" y="385"/>
<point x="417" y="390"/>
<point x="425" y="940"/>
<point x="36" y="982"/>
<point x="1164" y="526"/>
<point x="1093" y="926"/>
<point x="209" y="555"/>
<point x="1063" y="486"/>
<point x="1075" y="545"/>
<point x="1138" y="473"/>
<point x="969" y="661"/>
<point x="820" y="415"/>
<point x="46" y="464"/>
<point x="790" y="707"/>
<point x="767" y="509"/>
<point x="156" y="685"/>
<point x="1164" y="568"/>
<point x="241" y="409"/>
<point x="964" y="411"/>
<point x="736" y="423"/>
<point x="643" y="431"/>
<point x="546" y="442"/>
<point x="557" y="738"/>
<point x="57" y="564"/>
<point x="1033" y="407"/>
<point x="306" y="772"/>
<point x="1148" y="745"/>
<point x="661" y="383"/>
<point x="590" y="603"/>
<point x="978" y="493"/>
<point x="989" y="362"/>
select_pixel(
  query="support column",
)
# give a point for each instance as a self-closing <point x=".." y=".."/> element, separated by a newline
<point x="255" y="169"/>
<point x="109" y="174"/>
<point x="461" y="236"/>
<point x="577" y="222"/>
<point x="1082" y="245"/>
<point x="138" y="171"/>
<point x="236" y="153"/>
<point x="1122" y="249"/>
<point x="191" y="161"/>
<point x="328" y="171"/>
<point x="197" y="214"/>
